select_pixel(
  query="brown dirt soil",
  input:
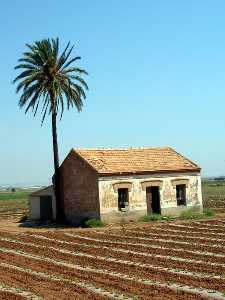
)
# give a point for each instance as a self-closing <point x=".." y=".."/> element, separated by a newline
<point x="62" y="290"/>
<point x="129" y="287"/>
<point x="146" y="273"/>
<point x="10" y="296"/>
<point x="117" y="243"/>
<point x="12" y="225"/>
<point x="154" y="233"/>
<point x="37" y="285"/>
<point x="134" y="239"/>
<point x="135" y="257"/>
<point x="138" y="257"/>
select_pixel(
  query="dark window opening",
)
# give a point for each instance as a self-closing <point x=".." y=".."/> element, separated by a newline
<point x="181" y="194"/>
<point x="123" y="199"/>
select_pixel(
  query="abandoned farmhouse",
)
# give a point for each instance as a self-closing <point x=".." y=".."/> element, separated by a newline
<point x="110" y="184"/>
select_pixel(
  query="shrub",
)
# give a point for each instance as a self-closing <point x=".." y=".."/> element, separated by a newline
<point x="187" y="214"/>
<point x="208" y="212"/>
<point x="91" y="223"/>
<point x="169" y="218"/>
<point x="151" y="217"/>
<point x="190" y="214"/>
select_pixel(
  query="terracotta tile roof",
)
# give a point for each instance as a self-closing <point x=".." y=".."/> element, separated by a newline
<point x="136" y="160"/>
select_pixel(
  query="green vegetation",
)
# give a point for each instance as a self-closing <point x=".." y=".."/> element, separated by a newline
<point x="208" y="212"/>
<point x="190" y="214"/>
<point x="151" y="217"/>
<point x="14" y="204"/>
<point x="92" y="223"/>
<point x="14" y="195"/>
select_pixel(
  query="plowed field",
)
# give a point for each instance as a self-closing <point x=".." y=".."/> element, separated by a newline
<point x="153" y="261"/>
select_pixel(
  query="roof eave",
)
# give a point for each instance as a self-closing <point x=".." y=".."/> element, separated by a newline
<point x="37" y="193"/>
<point x="149" y="172"/>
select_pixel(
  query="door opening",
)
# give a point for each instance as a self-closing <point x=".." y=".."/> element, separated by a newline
<point x="45" y="208"/>
<point x="153" y="200"/>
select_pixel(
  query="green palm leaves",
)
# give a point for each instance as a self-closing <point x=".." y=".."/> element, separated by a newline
<point x="49" y="79"/>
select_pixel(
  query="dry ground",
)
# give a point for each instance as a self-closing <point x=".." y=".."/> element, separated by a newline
<point x="159" y="260"/>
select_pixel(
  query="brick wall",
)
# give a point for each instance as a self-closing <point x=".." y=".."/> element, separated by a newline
<point x="80" y="189"/>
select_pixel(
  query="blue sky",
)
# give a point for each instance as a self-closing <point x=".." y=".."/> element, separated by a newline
<point x="156" y="77"/>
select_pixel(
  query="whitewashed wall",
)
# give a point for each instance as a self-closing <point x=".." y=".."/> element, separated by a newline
<point x="137" y="196"/>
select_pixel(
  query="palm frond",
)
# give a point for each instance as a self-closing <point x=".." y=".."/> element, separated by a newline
<point x="74" y="71"/>
<point x="49" y="79"/>
<point x="70" y="62"/>
<point x="61" y="59"/>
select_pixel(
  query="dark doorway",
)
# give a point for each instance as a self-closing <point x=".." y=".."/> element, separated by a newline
<point x="45" y="208"/>
<point x="123" y="199"/>
<point x="153" y="200"/>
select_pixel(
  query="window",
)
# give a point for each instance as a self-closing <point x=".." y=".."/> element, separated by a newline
<point x="181" y="194"/>
<point x="123" y="199"/>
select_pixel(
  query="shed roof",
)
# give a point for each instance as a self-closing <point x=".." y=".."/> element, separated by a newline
<point x="43" y="191"/>
<point x="136" y="160"/>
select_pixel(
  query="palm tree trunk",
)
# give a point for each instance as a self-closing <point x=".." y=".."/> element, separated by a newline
<point x="57" y="181"/>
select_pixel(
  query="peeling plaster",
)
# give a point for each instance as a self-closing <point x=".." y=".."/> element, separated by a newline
<point x="137" y="196"/>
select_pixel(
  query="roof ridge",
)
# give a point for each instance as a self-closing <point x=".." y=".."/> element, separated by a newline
<point x="131" y="148"/>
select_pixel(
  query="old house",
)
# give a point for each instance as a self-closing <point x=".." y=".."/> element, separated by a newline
<point x="111" y="184"/>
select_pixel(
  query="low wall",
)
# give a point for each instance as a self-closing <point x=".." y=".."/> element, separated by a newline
<point x="116" y="217"/>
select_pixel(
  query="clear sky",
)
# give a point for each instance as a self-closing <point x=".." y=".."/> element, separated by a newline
<point x="156" y="77"/>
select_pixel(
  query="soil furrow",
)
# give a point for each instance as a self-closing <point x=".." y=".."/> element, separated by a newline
<point x="136" y="256"/>
<point x="10" y="292"/>
<point x="195" y="229"/>
<point x="36" y="284"/>
<point x="152" y="249"/>
<point x="156" y="234"/>
<point x="121" y="281"/>
<point x="11" y="296"/>
<point x="127" y="267"/>
<point x="137" y="285"/>
<point x="191" y="233"/>
<point x="144" y="242"/>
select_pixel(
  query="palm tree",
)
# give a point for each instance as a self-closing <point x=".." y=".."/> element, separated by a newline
<point x="48" y="79"/>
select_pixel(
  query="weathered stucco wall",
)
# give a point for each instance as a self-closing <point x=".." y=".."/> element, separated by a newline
<point x="108" y="196"/>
